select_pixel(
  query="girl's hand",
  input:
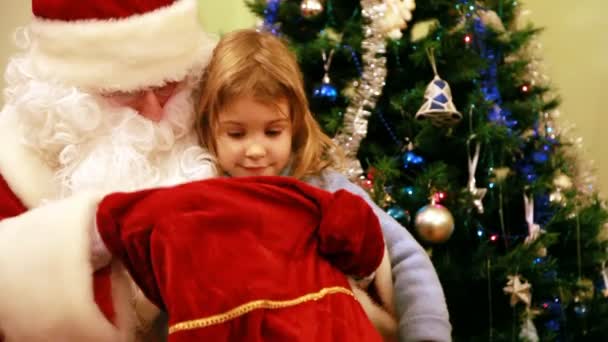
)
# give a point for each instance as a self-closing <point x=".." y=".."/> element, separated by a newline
<point x="383" y="284"/>
<point x="382" y="320"/>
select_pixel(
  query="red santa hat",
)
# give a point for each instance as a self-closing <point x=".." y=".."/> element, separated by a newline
<point x="118" y="44"/>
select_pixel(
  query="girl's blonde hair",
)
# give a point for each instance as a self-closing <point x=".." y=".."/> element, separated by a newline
<point x="250" y="63"/>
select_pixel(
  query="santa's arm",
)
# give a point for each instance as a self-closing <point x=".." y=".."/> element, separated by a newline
<point x="46" y="283"/>
<point x="63" y="301"/>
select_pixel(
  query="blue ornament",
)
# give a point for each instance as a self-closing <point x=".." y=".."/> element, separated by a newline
<point x="553" y="325"/>
<point x="581" y="310"/>
<point x="601" y="286"/>
<point x="408" y="190"/>
<point x="553" y="307"/>
<point x="325" y="91"/>
<point x="399" y="214"/>
<point x="501" y="116"/>
<point x="551" y="275"/>
<point x="540" y="157"/>
<point x="528" y="171"/>
<point x="410" y="158"/>
<point x="396" y="212"/>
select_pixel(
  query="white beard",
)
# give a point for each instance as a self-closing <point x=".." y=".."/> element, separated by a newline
<point x="92" y="144"/>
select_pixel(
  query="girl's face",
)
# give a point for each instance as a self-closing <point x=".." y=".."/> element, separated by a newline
<point x="253" y="138"/>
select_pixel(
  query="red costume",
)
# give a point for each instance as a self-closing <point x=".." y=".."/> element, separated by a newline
<point x="248" y="259"/>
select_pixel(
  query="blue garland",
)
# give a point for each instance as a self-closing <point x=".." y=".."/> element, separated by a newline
<point x="489" y="77"/>
<point x="271" y="12"/>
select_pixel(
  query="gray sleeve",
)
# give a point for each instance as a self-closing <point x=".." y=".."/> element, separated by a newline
<point x="420" y="302"/>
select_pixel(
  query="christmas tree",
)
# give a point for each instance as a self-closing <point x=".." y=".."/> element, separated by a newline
<point x="448" y="122"/>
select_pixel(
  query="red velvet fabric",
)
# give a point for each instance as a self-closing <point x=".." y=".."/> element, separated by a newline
<point x="204" y="248"/>
<point x="69" y="10"/>
<point x="11" y="205"/>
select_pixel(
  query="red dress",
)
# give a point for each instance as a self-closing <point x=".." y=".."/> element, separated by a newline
<point x="248" y="259"/>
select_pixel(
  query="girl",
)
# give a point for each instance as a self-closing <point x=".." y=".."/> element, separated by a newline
<point x="254" y="118"/>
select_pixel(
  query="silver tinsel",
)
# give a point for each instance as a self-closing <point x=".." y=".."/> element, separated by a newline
<point x="369" y="89"/>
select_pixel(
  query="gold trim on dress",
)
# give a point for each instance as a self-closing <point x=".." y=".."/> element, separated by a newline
<point x="254" y="305"/>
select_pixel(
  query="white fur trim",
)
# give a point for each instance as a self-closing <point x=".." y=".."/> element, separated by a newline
<point x="46" y="286"/>
<point x="26" y="174"/>
<point x="30" y="179"/>
<point x="124" y="54"/>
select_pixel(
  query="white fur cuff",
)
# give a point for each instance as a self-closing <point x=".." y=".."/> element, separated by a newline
<point x="126" y="54"/>
<point x="46" y="284"/>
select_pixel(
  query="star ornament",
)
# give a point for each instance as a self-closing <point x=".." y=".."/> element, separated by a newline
<point x="519" y="291"/>
<point x="478" y="194"/>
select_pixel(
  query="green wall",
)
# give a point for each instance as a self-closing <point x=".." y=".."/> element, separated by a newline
<point x="225" y="15"/>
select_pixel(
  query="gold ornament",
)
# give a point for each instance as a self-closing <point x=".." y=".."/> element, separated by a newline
<point x="311" y="8"/>
<point x="501" y="173"/>
<point x="603" y="234"/>
<point x="527" y="134"/>
<point x="557" y="197"/>
<point x="585" y="289"/>
<point x="396" y="15"/>
<point x="334" y="37"/>
<point x="421" y="29"/>
<point x="519" y="291"/>
<point x="434" y="223"/>
<point x="561" y="181"/>
<point x="492" y="20"/>
<point x="387" y="200"/>
<point x="350" y="91"/>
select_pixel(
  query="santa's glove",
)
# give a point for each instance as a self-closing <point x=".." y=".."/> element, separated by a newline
<point x="349" y="235"/>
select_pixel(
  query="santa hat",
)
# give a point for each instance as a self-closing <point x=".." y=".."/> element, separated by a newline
<point x="118" y="44"/>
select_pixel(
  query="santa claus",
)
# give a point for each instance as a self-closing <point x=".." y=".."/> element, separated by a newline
<point x="100" y="100"/>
